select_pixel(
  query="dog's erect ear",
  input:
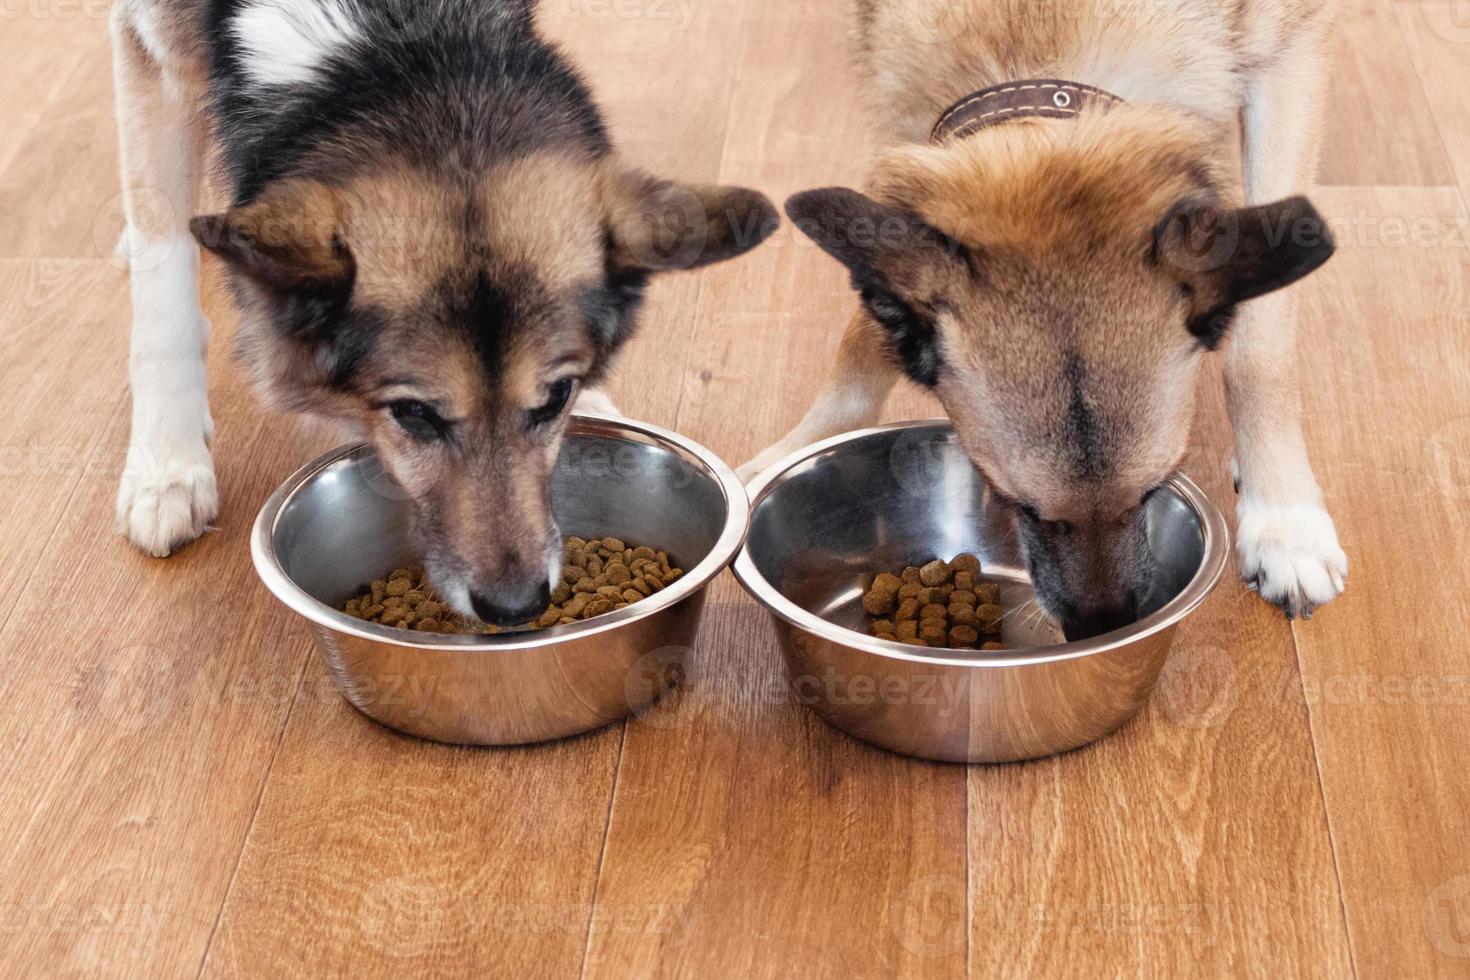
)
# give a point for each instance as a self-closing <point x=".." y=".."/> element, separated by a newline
<point x="1222" y="257"/>
<point x="658" y="225"/>
<point x="287" y="242"/>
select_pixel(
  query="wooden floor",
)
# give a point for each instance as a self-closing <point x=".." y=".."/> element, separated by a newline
<point x="182" y="792"/>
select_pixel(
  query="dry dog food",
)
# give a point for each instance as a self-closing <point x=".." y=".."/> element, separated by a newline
<point x="598" y="576"/>
<point x="940" y="604"/>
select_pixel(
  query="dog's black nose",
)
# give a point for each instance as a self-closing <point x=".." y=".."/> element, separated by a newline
<point x="1086" y="624"/>
<point x="511" y="606"/>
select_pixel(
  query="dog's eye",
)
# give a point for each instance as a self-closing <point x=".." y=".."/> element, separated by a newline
<point x="557" y="397"/>
<point x="419" y="420"/>
<point x="1034" y="516"/>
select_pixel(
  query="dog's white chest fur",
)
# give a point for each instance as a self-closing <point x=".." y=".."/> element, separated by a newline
<point x="286" y="42"/>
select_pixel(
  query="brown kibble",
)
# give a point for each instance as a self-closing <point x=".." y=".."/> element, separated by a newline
<point x="939" y="604"/>
<point x="935" y="573"/>
<point x="992" y="645"/>
<point x="613" y="544"/>
<point x="963" y="636"/>
<point x="406" y="599"/>
<point x="878" y="601"/>
<point x="967" y="563"/>
<point x="888" y="583"/>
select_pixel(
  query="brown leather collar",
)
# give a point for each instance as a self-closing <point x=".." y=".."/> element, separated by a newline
<point x="1049" y="98"/>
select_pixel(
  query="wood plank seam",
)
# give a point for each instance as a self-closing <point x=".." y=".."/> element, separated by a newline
<point x="265" y="779"/>
<point x="612" y="795"/>
<point x="1332" y="842"/>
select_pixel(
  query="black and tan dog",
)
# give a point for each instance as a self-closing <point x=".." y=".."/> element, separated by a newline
<point x="432" y="241"/>
<point x="1048" y="243"/>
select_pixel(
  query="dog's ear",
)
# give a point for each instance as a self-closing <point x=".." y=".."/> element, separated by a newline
<point x="288" y="243"/>
<point x="878" y="243"/>
<point x="658" y="225"/>
<point x="897" y="261"/>
<point x="1222" y="257"/>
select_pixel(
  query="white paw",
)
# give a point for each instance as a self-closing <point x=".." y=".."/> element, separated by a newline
<point x="767" y="458"/>
<point x="166" y="499"/>
<point x="1290" y="555"/>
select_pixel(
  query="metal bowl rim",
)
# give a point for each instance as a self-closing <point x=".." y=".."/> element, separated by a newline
<point x="1215" y="548"/>
<point x="719" y="557"/>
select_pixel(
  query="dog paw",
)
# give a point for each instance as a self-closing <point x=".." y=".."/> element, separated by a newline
<point x="166" y="499"/>
<point x="764" y="461"/>
<point x="1290" y="555"/>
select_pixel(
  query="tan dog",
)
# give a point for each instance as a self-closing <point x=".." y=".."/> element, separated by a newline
<point x="1057" y="277"/>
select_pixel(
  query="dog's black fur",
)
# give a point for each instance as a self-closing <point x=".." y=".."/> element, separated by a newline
<point x="467" y="83"/>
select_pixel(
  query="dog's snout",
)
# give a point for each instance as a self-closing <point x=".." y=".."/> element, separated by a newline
<point x="1083" y="624"/>
<point x="511" y="606"/>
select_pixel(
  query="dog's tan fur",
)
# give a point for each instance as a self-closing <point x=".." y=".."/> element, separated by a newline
<point x="1064" y="303"/>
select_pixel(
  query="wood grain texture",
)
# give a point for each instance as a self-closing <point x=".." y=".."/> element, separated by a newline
<point x="1386" y="676"/>
<point x="1372" y="136"/>
<point x="184" y="793"/>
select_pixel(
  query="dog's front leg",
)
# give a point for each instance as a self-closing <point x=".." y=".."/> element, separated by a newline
<point x="167" y="496"/>
<point x="1286" y="539"/>
<point x="851" y="399"/>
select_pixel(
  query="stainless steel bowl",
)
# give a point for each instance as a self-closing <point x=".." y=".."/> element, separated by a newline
<point x="824" y="521"/>
<point x="340" y="521"/>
